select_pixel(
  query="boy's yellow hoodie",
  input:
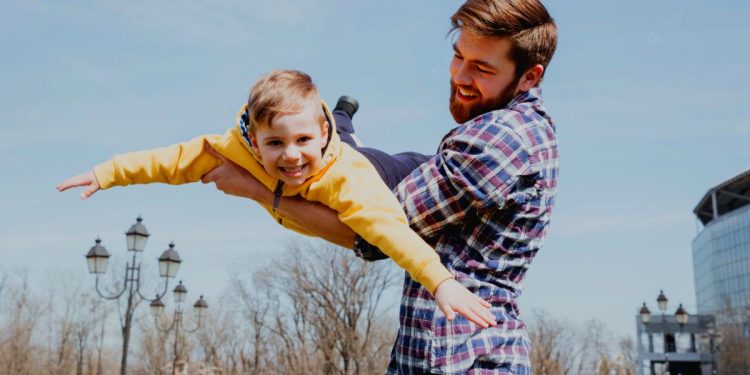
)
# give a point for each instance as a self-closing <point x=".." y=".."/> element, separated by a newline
<point x="347" y="183"/>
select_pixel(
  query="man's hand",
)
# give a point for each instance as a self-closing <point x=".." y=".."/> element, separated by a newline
<point x="452" y="298"/>
<point x="84" y="179"/>
<point x="233" y="179"/>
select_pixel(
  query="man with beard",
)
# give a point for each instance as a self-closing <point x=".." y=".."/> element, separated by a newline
<point x="483" y="201"/>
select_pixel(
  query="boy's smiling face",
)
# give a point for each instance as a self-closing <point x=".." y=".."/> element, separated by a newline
<point x="291" y="146"/>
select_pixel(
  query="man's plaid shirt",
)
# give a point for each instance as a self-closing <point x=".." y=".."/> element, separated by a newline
<point x="484" y="203"/>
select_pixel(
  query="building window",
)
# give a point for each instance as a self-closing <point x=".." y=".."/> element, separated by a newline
<point x="670" y="345"/>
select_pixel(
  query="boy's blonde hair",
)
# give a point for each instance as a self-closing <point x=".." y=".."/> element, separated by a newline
<point x="281" y="92"/>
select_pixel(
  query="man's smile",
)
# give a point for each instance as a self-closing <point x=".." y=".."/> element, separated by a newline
<point x="465" y="95"/>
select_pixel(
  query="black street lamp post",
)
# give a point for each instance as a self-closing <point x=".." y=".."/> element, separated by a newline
<point x="157" y="309"/>
<point x="98" y="258"/>
<point x="681" y="316"/>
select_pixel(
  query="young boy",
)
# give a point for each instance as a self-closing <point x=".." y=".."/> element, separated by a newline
<point x="285" y="136"/>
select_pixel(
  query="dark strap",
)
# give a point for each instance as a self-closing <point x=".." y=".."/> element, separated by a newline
<point x="277" y="197"/>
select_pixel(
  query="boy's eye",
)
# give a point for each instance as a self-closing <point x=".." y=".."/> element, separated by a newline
<point x="303" y="139"/>
<point x="274" y="143"/>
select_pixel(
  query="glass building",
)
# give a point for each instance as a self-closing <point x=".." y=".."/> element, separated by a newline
<point x="721" y="250"/>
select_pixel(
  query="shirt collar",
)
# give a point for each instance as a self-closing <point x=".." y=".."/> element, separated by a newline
<point x="533" y="95"/>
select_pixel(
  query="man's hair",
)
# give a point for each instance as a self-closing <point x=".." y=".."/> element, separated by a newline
<point x="280" y="92"/>
<point x="526" y="23"/>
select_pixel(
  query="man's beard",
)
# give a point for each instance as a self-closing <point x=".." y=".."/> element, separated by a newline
<point x="464" y="112"/>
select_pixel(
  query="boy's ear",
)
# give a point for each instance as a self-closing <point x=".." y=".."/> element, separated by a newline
<point x="253" y="142"/>
<point x="324" y="135"/>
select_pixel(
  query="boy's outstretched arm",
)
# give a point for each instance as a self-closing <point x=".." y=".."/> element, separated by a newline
<point x="84" y="179"/>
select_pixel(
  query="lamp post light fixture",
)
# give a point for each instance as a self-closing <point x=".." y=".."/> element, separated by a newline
<point x="662" y="300"/>
<point x="137" y="236"/>
<point x="97" y="259"/>
<point x="157" y="309"/>
<point x="169" y="262"/>
<point x="179" y="293"/>
<point x="645" y="314"/>
<point x="681" y="316"/>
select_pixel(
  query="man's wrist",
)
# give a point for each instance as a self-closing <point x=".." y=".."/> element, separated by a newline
<point x="264" y="196"/>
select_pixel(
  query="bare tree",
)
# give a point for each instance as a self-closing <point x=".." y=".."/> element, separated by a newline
<point x="605" y="366"/>
<point x="627" y="359"/>
<point x="153" y="349"/>
<point x="335" y="308"/>
<point x="99" y="322"/>
<point x="552" y="344"/>
<point x="593" y="343"/>
<point x="559" y="347"/>
<point x="91" y="316"/>
<point x="21" y="312"/>
<point x="60" y="326"/>
<point x="255" y="307"/>
<point x="316" y="309"/>
<point x="70" y="320"/>
<point x="222" y="341"/>
<point x="734" y="354"/>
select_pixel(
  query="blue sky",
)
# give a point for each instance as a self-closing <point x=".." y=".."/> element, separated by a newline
<point x="646" y="96"/>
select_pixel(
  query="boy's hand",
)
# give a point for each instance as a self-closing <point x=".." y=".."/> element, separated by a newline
<point x="85" y="179"/>
<point x="452" y="298"/>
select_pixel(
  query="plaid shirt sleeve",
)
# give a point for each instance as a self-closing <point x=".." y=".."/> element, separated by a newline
<point x="476" y="167"/>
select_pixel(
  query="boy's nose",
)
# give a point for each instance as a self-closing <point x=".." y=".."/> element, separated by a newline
<point x="291" y="153"/>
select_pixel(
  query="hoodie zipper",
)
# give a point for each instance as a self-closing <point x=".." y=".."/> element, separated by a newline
<point x="277" y="198"/>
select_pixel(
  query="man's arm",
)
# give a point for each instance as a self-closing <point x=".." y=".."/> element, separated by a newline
<point x="315" y="217"/>
<point x="450" y="296"/>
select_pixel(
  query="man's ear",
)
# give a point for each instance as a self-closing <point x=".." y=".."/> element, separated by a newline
<point x="530" y="78"/>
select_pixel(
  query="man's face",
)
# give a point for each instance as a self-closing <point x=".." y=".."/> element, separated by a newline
<point x="482" y="76"/>
<point x="290" y="148"/>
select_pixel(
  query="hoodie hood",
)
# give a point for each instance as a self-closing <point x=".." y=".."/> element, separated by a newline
<point x="330" y="152"/>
